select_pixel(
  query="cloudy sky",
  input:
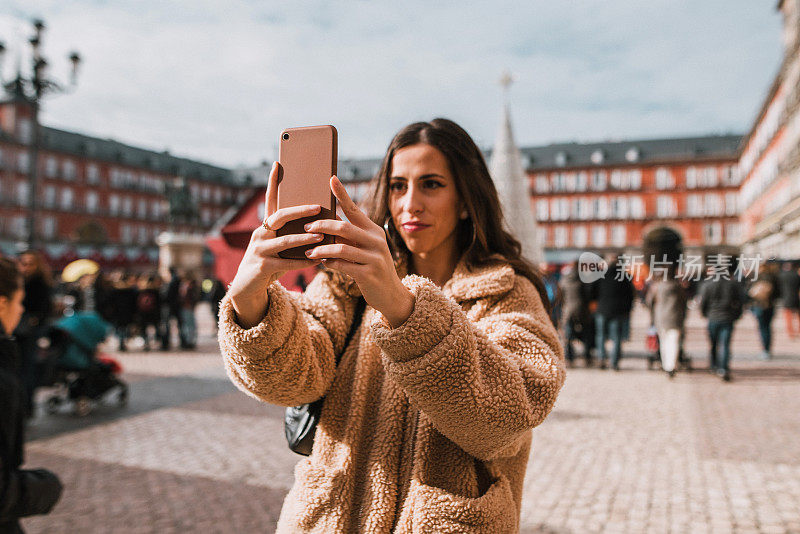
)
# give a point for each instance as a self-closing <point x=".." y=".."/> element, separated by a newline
<point x="217" y="80"/>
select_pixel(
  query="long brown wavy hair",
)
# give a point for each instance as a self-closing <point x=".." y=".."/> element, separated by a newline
<point x="480" y="235"/>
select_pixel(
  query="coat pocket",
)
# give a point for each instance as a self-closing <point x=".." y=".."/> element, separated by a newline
<point x="438" y="511"/>
<point x="313" y="500"/>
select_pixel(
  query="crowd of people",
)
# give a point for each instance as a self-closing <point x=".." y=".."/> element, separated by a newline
<point x="592" y="315"/>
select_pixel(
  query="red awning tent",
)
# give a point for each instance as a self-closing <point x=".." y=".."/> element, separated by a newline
<point x="229" y="244"/>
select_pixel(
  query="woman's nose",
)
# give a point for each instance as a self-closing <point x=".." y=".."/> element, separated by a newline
<point x="412" y="201"/>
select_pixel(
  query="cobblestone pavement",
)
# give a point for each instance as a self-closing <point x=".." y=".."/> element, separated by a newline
<point x="631" y="451"/>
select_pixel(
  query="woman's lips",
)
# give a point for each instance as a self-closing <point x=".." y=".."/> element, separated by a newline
<point x="414" y="227"/>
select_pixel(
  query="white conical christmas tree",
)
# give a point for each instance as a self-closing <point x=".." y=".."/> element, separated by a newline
<point x="512" y="186"/>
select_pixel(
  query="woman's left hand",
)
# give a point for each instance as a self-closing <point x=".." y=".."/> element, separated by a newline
<point x="361" y="252"/>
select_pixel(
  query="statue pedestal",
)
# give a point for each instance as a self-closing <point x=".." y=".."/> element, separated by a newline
<point x="182" y="251"/>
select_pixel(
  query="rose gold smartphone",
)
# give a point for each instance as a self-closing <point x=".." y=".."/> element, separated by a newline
<point x="308" y="157"/>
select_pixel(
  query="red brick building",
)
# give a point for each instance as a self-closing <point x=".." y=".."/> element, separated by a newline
<point x="770" y="159"/>
<point x="608" y="196"/>
<point x="97" y="197"/>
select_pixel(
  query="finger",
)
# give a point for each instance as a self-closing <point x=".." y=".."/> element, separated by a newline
<point x="284" y="215"/>
<point x="271" y="247"/>
<point x="348" y="232"/>
<point x="353" y="270"/>
<point x="291" y="265"/>
<point x="271" y="198"/>
<point x="350" y="208"/>
<point x="340" y="251"/>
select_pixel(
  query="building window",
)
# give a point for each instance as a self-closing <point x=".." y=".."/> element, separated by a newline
<point x="713" y="204"/>
<point x="541" y="184"/>
<point x="637" y="207"/>
<point x="584" y="209"/>
<point x="18" y="227"/>
<point x="25" y="130"/>
<point x="66" y="198"/>
<point x="712" y="232"/>
<point x="50" y="167"/>
<point x="665" y="207"/>
<point x="583" y="180"/>
<point x="155" y="210"/>
<point x="618" y="235"/>
<point x="599" y="180"/>
<point x="619" y="208"/>
<point x="93" y="174"/>
<point x="560" y="236"/>
<point x="597" y="157"/>
<point x="126" y="233"/>
<point x="142" y="235"/>
<point x="599" y="235"/>
<point x="22" y="193"/>
<point x="600" y="207"/>
<point x="113" y="205"/>
<point x="580" y="236"/>
<point x="632" y="154"/>
<point x="732" y="233"/>
<point x="23" y="162"/>
<point x="49" y="227"/>
<point x="731" y="203"/>
<point x="70" y="171"/>
<point x="49" y="196"/>
<point x="664" y="179"/>
<point x="91" y="201"/>
<point x="141" y="209"/>
<point x="694" y="207"/>
<point x="691" y="177"/>
<point x="561" y="159"/>
<point x="635" y="179"/>
<point x="127" y="206"/>
<point x="541" y="209"/>
<point x="709" y="177"/>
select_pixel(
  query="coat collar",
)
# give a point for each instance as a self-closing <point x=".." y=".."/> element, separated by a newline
<point x="493" y="278"/>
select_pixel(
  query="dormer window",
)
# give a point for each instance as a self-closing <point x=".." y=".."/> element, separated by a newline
<point x="632" y="155"/>
<point x="561" y="159"/>
<point x="598" y="157"/>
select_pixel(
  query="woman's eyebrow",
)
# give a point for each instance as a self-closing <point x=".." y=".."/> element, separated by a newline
<point x="423" y="177"/>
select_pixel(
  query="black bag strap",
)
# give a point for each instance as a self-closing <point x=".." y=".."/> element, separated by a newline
<point x="361" y="305"/>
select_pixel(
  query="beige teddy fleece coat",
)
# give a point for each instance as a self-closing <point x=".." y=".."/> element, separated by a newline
<point x="425" y="427"/>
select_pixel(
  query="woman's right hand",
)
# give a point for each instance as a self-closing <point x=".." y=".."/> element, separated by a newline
<point x="261" y="264"/>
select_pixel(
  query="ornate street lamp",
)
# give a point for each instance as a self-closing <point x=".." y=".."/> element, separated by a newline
<point x="32" y="89"/>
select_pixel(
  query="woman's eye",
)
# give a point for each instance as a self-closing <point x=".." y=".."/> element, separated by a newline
<point x="396" y="186"/>
<point x="432" y="184"/>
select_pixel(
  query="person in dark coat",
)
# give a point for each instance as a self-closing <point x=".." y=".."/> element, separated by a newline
<point x="148" y="307"/>
<point x="576" y="320"/>
<point x="763" y="295"/>
<point x="721" y="302"/>
<point x="38" y="305"/>
<point x="171" y="307"/>
<point x="789" y="285"/>
<point x="123" y="293"/>
<point x="23" y="492"/>
<point x="614" y="296"/>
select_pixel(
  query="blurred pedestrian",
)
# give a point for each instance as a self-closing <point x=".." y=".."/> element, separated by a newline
<point x="721" y="302"/>
<point x="214" y="294"/>
<point x="576" y="320"/>
<point x="170" y="307"/>
<point x="789" y="284"/>
<point x="38" y="305"/>
<point x="763" y="293"/>
<point x="23" y="492"/>
<point x="667" y="301"/>
<point x="614" y="294"/>
<point x="189" y="296"/>
<point x="148" y="308"/>
<point x="123" y="293"/>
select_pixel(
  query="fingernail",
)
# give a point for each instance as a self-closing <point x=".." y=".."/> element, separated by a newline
<point x="318" y="236"/>
<point x="309" y="252"/>
<point x="307" y="227"/>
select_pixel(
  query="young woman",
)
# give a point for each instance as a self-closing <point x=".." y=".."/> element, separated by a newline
<point x="426" y="423"/>
<point x="23" y="492"/>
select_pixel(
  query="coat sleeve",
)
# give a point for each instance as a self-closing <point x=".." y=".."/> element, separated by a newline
<point x="483" y="382"/>
<point x="289" y="357"/>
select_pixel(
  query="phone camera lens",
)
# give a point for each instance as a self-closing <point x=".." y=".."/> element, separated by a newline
<point x="286" y="137"/>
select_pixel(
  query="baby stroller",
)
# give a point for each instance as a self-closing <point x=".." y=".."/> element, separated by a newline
<point x="70" y="363"/>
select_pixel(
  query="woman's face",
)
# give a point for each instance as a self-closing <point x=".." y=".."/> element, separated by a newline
<point x="11" y="310"/>
<point x="423" y="200"/>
